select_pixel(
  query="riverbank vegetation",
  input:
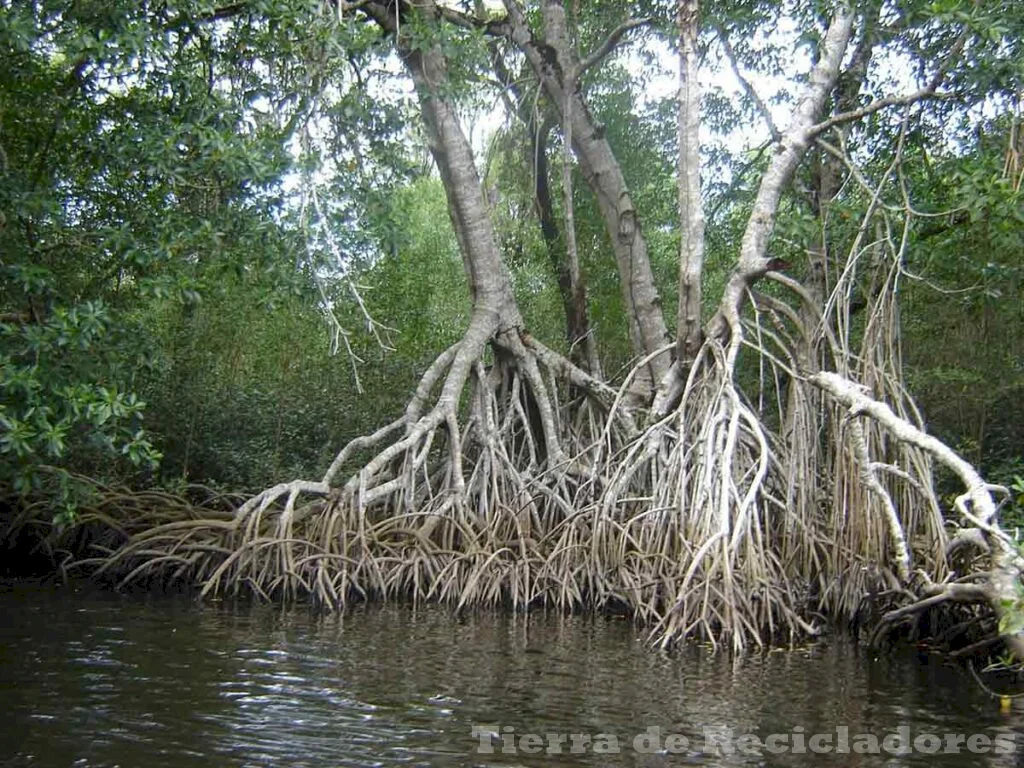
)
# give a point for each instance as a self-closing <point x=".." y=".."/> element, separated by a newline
<point x="461" y="302"/>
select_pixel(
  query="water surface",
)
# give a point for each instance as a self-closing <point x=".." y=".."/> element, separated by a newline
<point x="96" y="679"/>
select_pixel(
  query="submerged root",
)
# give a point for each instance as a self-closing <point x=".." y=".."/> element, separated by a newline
<point x="521" y="483"/>
<point x="700" y="493"/>
<point x="998" y="586"/>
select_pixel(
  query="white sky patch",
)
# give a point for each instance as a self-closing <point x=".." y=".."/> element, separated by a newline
<point x="662" y="82"/>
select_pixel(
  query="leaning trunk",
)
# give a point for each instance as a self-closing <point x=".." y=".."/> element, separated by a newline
<point x="754" y="261"/>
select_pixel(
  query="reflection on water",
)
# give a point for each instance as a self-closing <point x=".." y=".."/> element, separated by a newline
<point x="92" y="679"/>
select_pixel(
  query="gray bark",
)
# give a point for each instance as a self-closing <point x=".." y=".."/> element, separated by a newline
<point x="562" y="252"/>
<point x="489" y="279"/>
<point x="495" y="318"/>
<point x="557" y="67"/>
<point x="691" y="208"/>
<point x="754" y="260"/>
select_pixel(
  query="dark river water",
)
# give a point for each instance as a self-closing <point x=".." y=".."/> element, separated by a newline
<point x="94" y="679"/>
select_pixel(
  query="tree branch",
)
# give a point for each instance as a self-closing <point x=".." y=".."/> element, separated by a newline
<point x="930" y="91"/>
<point x="610" y="44"/>
<point x="875" y="106"/>
<point x="730" y="54"/>
<point x="217" y="14"/>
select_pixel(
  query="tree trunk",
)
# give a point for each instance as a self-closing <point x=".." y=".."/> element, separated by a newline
<point x="494" y="306"/>
<point x="557" y="67"/>
<point x="684" y="522"/>
<point x="753" y="262"/>
<point x="691" y="208"/>
<point x="562" y="253"/>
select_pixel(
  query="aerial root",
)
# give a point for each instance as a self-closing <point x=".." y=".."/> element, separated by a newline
<point x="470" y="507"/>
<point x="933" y="596"/>
<point x="698" y="488"/>
<point x="998" y="586"/>
<point x="524" y="483"/>
<point x="538" y="490"/>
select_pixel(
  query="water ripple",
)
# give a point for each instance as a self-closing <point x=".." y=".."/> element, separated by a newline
<point x="96" y="680"/>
